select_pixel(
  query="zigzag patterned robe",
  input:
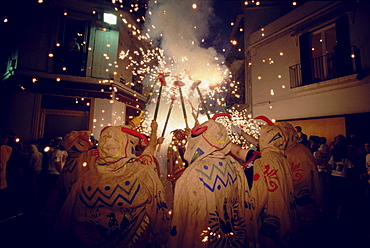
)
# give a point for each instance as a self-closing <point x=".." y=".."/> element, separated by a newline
<point x="211" y="200"/>
<point x="79" y="161"/>
<point x="117" y="206"/>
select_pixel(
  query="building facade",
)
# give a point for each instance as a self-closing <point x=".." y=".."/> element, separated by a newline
<point x="308" y="64"/>
<point x="63" y="66"/>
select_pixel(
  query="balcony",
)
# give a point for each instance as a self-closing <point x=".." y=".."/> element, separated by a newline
<point x="330" y="66"/>
<point x="70" y="62"/>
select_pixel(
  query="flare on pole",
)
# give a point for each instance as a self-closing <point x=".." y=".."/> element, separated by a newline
<point x="149" y="97"/>
<point x="195" y="86"/>
<point x="173" y="98"/>
<point x="163" y="83"/>
<point x="180" y="84"/>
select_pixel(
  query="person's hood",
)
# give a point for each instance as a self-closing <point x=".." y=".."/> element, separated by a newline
<point x="77" y="141"/>
<point x="290" y="134"/>
<point x="272" y="139"/>
<point x="207" y="139"/>
<point x="34" y="149"/>
<point x="117" y="144"/>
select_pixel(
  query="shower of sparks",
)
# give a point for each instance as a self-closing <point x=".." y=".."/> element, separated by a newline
<point x="179" y="55"/>
<point x="245" y="121"/>
<point x="180" y="58"/>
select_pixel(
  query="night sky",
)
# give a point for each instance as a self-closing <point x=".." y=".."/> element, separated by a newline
<point x="226" y="11"/>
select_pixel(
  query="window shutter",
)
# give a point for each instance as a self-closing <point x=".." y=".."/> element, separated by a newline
<point x="343" y="47"/>
<point x="305" y="54"/>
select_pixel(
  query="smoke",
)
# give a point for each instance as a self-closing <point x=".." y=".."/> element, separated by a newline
<point x="179" y="28"/>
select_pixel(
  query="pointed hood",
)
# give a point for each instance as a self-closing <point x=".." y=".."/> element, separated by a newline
<point x="77" y="141"/>
<point x="290" y="134"/>
<point x="117" y="145"/>
<point x="34" y="149"/>
<point x="272" y="138"/>
<point x="207" y="139"/>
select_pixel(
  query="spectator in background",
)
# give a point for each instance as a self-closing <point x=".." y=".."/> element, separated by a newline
<point x="5" y="152"/>
<point x="32" y="174"/>
<point x="47" y="148"/>
<point x="340" y="139"/>
<point x="15" y="170"/>
<point x="304" y="141"/>
<point x="74" y="46"/>
<point x="366" y="175"/>
<point x="73" y="57"/>
<point x="339" y="186"/>
<point x="302" y="137"/>
<point x="322" y="157"/>
<point x="323" y="142"/>
<point x="81" y="159"/>
<point x="56" y="163"/>
<point x="357" y="155"/>
<point x="314" y="143"/>
<point x="331" y="145"/>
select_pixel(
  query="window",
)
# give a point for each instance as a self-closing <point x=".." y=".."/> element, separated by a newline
<point x="325" y="54"/>
<point x="322" y="43"/>
<point x="72" y="47"/>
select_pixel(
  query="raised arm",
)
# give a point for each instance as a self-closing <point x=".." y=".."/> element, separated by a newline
<point x="238" y="152"/>
<point x="150" y="149"/>
<point x="249" y="138"/>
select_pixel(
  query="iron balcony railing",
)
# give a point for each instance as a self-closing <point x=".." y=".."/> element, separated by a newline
<point x="330" y="66"/>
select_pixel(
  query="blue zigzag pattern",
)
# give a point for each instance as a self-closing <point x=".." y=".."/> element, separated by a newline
<point x="85" y="198"/>
<point x="231" y="178"/>
<point x="70" y="166"/>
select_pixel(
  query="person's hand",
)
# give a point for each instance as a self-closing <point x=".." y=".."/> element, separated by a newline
<point x="154" y="125"/>
<point x="236" y="129"/>
<point x="160" y="140"/>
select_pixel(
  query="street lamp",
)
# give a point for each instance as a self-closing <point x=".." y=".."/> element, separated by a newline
<point x="110" y="18"/>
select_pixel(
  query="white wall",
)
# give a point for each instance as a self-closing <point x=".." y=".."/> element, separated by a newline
<point x="270" y="71"/>
<point x="107" y="113"/>
<point x="329" y="103"/>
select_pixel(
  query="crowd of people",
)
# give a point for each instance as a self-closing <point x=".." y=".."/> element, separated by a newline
<point x="343" y="167"/>
<point x="287" y="190"/>
<point x="28" y="172"/>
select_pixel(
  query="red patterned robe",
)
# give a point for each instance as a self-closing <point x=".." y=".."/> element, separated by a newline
<point x="80" y="158"/>
<point x="272" y="191"/>
<point x="306" y="182"/>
